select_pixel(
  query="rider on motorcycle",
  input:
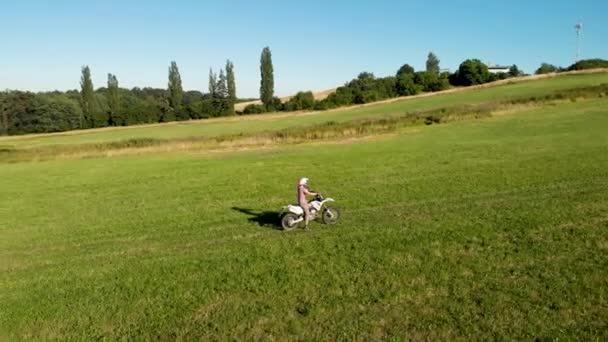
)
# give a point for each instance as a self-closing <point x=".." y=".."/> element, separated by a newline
<point x="302" y="192"/>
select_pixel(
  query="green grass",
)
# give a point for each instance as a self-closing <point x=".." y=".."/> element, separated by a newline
<point x="232" y="126"/>
<point x="485" y="229"/>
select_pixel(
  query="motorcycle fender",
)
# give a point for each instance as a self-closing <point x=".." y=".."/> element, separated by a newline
<point x="295" y="209"/>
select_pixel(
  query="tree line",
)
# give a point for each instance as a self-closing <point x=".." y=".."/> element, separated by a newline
<point x="584" y="64"/>
<point x="368" y="88"/>
<point x="27" y="112"/>
<point x="407" y="81"/>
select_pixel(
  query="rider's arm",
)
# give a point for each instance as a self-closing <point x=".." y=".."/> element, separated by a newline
<point x="309" y="193"/>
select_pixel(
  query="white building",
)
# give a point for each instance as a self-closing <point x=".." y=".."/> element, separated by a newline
<point x="497" y="69"/>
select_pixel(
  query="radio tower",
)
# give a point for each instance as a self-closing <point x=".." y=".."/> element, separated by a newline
<point x="579" y="28"/>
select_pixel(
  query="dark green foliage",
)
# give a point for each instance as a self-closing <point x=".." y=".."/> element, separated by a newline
<point x="231" y="85"/>
<point x="22" y="112"/>
<point x="3" y="113"/>
<point x="324" y="104"/>
<point x="406" y="85"/>
<point x="472" y="72"/>
<point x="221" y="99"/>
<point x="432" y="63"/>
<point x="267" y="77"/>
<point x="175" y="88"/>
<point x="301" y="101"/>
<point x="87" y="99"/>
<point x="514" y="71"/>
<point x="39" y="113"/>
<point x="546" y="68"/>
<point x="431" y="81"/>
<point x="206" y="108"/>
<point x="589" y="64"/>
<point x="405" y="69"/>
<point x="113" y="101"/>
<point x="342" y="97"/>
<point x="101" y="117"/>
<point x="254" y="109"/>
<point x="275" y="105"/>
<point x="192" y="96"/>
<point x="387" y="87"/>
<point x="152" y="105"/>
<point x="367" y="88"/>
<point x="212" y="82"/>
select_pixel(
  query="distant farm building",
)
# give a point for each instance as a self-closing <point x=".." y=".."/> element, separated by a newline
<point x="497" y="69"/>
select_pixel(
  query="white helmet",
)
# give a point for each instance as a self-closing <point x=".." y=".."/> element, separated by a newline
<point x="303" y="181"/>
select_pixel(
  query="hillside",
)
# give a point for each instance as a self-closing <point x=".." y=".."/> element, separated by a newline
<point x="524" y="87"/>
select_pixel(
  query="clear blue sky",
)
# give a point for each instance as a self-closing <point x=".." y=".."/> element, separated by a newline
<point x="315" y="44"/>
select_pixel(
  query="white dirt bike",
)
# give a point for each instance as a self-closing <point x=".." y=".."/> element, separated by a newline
<point x="292" y="215"/>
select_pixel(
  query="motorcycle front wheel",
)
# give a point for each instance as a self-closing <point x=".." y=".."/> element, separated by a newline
<point x="331" y="215"/>
<point x="288" y="221"/>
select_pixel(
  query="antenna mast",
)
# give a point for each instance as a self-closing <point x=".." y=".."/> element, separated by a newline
<point x="579" y="28"/>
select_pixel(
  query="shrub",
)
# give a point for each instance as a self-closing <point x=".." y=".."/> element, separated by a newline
<point x="302" y="100"/>
<point x="274" y="105"/>
<point x="546" y="68"/>
<point x="342" y="97"/>
<point x="324" y="104"/>
<point x="254" y="109"/>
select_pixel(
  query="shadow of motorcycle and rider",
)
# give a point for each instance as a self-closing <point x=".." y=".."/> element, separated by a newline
<point x="268" y="219"/>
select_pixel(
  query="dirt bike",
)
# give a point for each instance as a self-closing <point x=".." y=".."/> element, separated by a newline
<point x="291" y="215"/>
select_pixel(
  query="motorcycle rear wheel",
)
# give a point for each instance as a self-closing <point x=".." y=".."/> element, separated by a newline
<point x="288" y="221"/>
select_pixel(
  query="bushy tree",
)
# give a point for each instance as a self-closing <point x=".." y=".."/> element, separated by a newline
<point x="267" y="77"/>
<point x="432" y="64"/>
<point x="300" y="101"/>
<point x="472" y="72"/>
<point x="405" y="69"/>
<point x="546" y="68"/>
<point x="364" y="88"/>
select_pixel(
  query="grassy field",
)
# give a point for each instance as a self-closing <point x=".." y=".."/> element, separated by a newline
<point x="485" y="229"/>
<point x="258" y="123"/>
